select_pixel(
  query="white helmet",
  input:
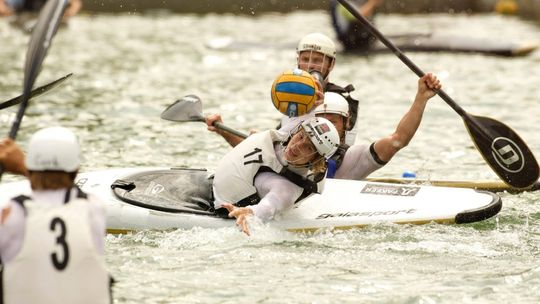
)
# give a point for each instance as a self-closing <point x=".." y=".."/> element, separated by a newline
<point x="317" y="42"/>
<point x="54" y="149"/>
<point x="323" y="134"/>
<point x="334" y="103"/>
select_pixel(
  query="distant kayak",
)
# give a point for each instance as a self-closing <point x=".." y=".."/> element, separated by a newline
<point x="407" y="42"/>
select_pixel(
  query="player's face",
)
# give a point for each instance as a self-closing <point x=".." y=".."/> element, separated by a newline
<point x="314" y="61"/>
<point x="300" y="149"/>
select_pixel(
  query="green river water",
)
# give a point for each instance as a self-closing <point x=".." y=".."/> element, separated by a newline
<point x="128" y="68"/>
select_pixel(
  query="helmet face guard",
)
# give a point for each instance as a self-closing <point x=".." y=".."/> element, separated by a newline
<point x="310" y="61"/>
<point x="316" y="52"/>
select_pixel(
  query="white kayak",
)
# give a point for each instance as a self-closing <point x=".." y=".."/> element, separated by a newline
<point x="163" y="198"/>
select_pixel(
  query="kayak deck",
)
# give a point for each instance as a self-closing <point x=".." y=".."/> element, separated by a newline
<point x="176" y="195"/>
<point x="165" y="198"/>
<point x="175" y="191"/>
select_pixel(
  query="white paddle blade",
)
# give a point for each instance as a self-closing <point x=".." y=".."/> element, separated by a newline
<point x="188" y="108"/>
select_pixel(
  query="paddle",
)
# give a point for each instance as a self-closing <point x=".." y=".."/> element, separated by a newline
<point x="501" y="147"/>
<point x="40" y="41"/>
<point x="35" y="92"/>
<point x="189" y="108"/>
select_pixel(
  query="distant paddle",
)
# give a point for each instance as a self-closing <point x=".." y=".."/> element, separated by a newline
<point x="501" y="147"/>
<point x="35" y="92"/>
<point x="189" y="108"/>
<point x="40" y="41"/>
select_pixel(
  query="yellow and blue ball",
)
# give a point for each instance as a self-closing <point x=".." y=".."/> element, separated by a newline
<point x="294" y="92"/>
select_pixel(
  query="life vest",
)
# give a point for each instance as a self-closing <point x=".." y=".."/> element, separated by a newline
<point x="57" y="262"/>
<point x="335" y="161"/>
<point x="235" y="174"/>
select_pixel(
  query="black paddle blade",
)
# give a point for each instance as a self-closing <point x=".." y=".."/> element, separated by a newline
<point x="505" y="152"/>
<point x="40" y="41"/>
<point x="35" y="92"/>
<point x="188" y="108"/>
<point x="42" y="34"/>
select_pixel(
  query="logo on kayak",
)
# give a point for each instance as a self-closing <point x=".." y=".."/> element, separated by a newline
<point x="154" y="188"/>
<point x="507" y="154"/>
<point x="80" y="182"/>
<point x="365" y="214"/>
<point x="390" y="190"/>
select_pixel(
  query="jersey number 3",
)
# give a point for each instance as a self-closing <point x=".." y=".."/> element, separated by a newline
<point x="58" y="226"/>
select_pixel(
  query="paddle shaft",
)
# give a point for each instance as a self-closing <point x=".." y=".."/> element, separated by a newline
<point x="491" y="186"/>
<point x="401" y="55"/>
<point x="43" y="32"/>
<point x="230" y="130"/>
<point x="40" y="41"/>
<point x="224" y="127"/>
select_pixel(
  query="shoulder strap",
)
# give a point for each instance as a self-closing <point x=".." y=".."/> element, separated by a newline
<point x="20" y="200"/>
<point x="80" y="194"/>
<point x="302" y="182"/>
<point x="332" y="87"/>
<point x="253" y="199"/>
<point x="337" y="158"/>
<point x="309" y="186"/>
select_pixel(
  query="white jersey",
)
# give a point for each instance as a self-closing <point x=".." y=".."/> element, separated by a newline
<point x="239" y="178"/>
<point x="358" y="163"/>
<point x="57" y="260"/>
<point x="233" y="181"/>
